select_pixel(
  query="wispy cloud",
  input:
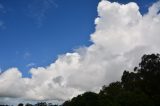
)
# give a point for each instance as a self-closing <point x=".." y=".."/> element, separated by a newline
<point x="27" y="55"/>
<point x="2" y="8"/>
<point x="30" y="65"/>
<point x="2" y="12"/>
<point x="1" y="23"/>
<point x="39" y="8"/>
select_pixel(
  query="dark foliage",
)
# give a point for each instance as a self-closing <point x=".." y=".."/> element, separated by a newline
<point x="138" y="88"/>
<point x="20" y="104"/>
<point x="87" y="99"/>
<point x="41" y="104"/>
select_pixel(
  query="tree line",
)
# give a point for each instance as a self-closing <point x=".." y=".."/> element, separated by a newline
<point x="140" y="87"/>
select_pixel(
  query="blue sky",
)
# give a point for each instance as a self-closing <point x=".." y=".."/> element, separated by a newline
<point x="37" y="34"/>
<point x="34" y="32"/>
<point x="143" y="4"/>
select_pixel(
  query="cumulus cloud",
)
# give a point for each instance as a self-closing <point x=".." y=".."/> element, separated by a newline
<point x="121" y="37"/>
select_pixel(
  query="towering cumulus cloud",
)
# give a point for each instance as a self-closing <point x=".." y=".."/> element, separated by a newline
<point x="121" y="37"/>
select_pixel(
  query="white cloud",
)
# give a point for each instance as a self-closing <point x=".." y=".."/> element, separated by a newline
<point x="121" y="37"/>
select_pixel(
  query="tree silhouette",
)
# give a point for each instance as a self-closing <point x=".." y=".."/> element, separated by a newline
<point x="137" y="88"/>
<point x="87" y="99"/>
<point x="20" y="104"/>
<point x="28" y="104"/>
<point x="41" y="104"/>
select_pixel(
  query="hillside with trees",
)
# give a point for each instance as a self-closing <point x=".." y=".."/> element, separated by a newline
<point x="140" y="87"/>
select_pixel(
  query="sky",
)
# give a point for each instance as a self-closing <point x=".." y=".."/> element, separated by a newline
<point x="35" y="32"/>
<point x="57" y="49"/>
